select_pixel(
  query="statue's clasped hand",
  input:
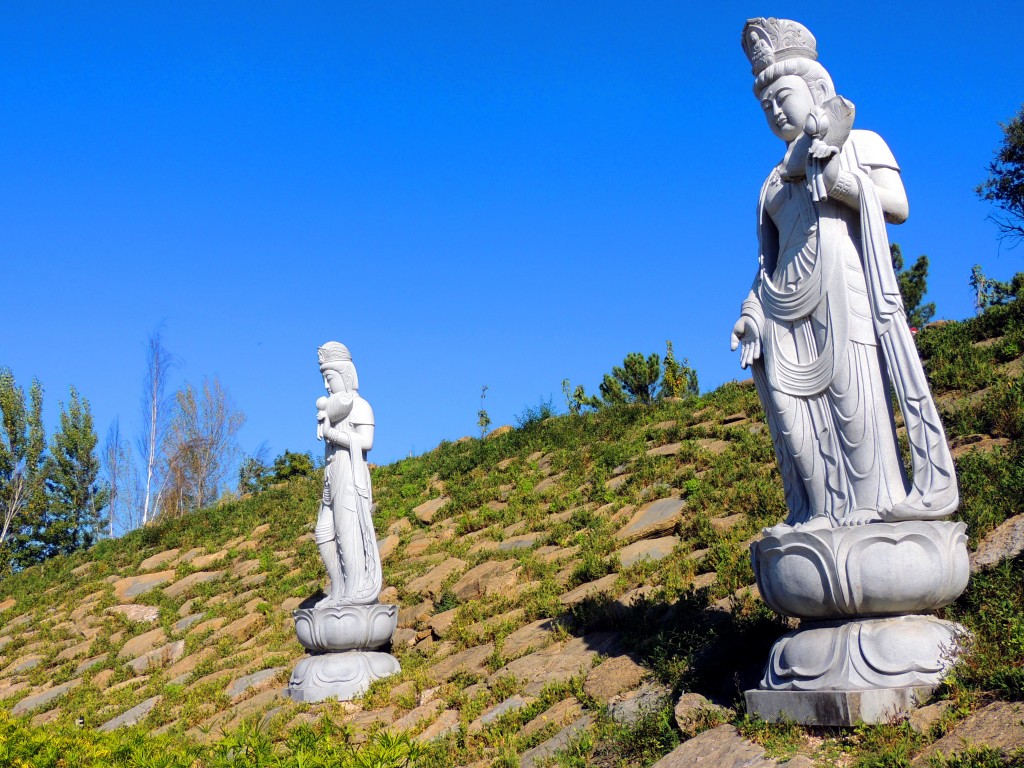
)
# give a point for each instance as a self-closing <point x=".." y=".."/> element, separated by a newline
<point x="745" y="333"/>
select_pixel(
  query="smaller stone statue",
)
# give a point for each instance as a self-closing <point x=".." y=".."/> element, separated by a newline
<point x="343" y="628"/>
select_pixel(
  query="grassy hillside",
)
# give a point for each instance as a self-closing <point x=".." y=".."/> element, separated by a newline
<point x="560" y="585"/>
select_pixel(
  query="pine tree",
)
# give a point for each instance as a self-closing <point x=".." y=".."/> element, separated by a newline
<point x="22" y="473"/>
<point x="1004" y="186"/>
<point x="913" y="284"/>
<point x="76" y="499"/>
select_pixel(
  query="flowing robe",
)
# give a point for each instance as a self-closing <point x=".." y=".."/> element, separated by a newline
<point x="834" y="339"/>
<point x="347" y="506"/>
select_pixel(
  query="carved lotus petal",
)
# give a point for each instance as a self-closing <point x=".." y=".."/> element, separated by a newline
<point x="345" y="627"/>
<point x="871" y="570"/>
<point x="892" y="652"/>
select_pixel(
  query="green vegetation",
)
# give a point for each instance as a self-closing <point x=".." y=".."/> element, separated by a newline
<point x="545" y="502"/>
<point x="1004" y="186"/>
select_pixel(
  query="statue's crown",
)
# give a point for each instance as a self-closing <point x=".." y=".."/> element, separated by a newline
<point x="333" y="352"/>
<point x="766" y="41"/>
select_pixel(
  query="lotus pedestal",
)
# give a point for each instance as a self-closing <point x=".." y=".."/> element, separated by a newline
<point x="866" y="648"/>
<point x="342" y="641"/>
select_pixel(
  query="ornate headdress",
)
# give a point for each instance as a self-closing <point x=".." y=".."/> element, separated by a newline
<point x="766" y="41"/>
<point x="332" y="355"/>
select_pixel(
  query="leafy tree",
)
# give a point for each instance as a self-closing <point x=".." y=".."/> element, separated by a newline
<point x="483" y="419"/>
<point x="913" y="284"/>
<point x="76" y="499"/>
<point x="200" y="447"/>
<point x="989" y="292"/>
<point x="289" y="465"/>
<point x="679" y="379"/>
<point x="22" y="473"/>
<point x="1004" y="186"/>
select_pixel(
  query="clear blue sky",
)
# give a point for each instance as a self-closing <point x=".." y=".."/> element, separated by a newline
<point x="465" y="193"/>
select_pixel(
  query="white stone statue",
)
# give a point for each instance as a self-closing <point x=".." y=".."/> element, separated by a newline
<point x="344" y="629"/>
<point x="823" y="327"/>
<point x="864" y="553"/>
<point x="344" y="528"/>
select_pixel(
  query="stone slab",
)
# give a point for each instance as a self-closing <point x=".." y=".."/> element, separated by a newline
<point x="199" y="577"/>
<point x="557" y="742"/>
<point x="720" y="747"/>
<point x="835" y="708"/>
<point x="425" y="512"/>
<point x="128" y="588"/>
<point x="649" y="549"/>
<point x="134" y="715"/>
<point x="658" y="517"/>
<point x="155" y="561"/>
<point x="43" y="698"/>
<point x="997" y="725"/>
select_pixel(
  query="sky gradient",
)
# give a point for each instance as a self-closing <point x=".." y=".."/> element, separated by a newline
<point x="464" y="193"/>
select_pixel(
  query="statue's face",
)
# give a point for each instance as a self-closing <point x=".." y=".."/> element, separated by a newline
<point x="334" y="382"/>
<point x="786" y="103"/>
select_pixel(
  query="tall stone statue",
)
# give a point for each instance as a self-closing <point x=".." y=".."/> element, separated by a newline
<point x="824" y="331"/>
<point x="342" y="630"/>
<point x="344" y="529"/>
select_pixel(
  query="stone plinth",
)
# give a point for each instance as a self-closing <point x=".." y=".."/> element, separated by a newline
<point x="835" y="708"/>
<point x="340" y="675"/>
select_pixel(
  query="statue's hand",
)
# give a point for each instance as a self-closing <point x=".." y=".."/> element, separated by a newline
<point x="745" y="333"/>
<point x="820" y="150"/>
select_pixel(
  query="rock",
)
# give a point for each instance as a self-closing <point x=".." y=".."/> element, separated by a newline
<point x="134" y="715"/>
<point x="182" y="624"/>
<point x="425" y="512"/>
<point x="142" y="644"/>
<point x="630" y="707"/>
<point x="997" y="725"/>
<point x="404" y="637"/>
<point x="158" y="559"/>
<point x="74" y="650"/>
<point x="448" y="722"/>
<point x="205" y="560"/>
<point x="214" y="624"/>
<point x="240" y="629"/>
<point x="547" y="483"/>
<point x="245" y="567"/>
<point x="523" y="541"/>
<point x="605" y="584"/>
<point x="418" y="545"/>
<point x="721" y="747"/>
<point x="179" y="588"/>
<point x="559" y="662"/>
<point x="923" y="718"/>
<point x="188" y="664"/>
<point x="658" y="517"/>
<point x="511" y="704"/>
<point x="9" y="603"/>
<point x="649" y="549"/>
<point x="412" y="718"/>
<point x="613" y="676"/>
<point x="693" y="711"/>
<point x="715" y="447"/>
<point x="89" y="663"/>
<point x="82" y="569"/>
<point x="559" y="715"/>
<point x="725" y="524"/>
<point x="702" y="580"/>
<point x="131" y="587"/>
<point x="442" y="622"/>
<point x="142" y="613"/>
<point x="400" y="526"/>
<point x="471" y="660"/>
<point x="488" y="578"/>
<point x="430" y="582"/>
<point x="388" y="545"/>
<point x="1004" y="542"/>
<point x="411" y="615"/>
<point x="555" y="743"/>
<point x="665" y="450"/>
<point x="158" y="657"/>
<point x="255" y="682"/>
<point x="536" y="636"/>
<point x="41" y="699"/>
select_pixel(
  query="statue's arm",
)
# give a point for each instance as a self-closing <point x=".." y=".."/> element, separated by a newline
<point x="873" y="155"/>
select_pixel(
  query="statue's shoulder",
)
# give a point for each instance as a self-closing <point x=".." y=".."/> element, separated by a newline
<point x="362" y="413"/>
<point x="871" y="151"/>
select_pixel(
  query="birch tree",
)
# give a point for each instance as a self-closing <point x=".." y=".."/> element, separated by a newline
<point x="155" y="407"/>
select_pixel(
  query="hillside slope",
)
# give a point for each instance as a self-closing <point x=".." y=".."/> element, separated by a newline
<point x="560" y="584"/>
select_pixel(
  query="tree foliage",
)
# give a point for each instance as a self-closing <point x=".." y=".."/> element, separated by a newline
<point x="1004" y="186"/>
<point x="76" y="500"/>
<point x="200" y="447"/>
<point x="989" y="292"/>
<point x="22" y="472"/>
<point x="913" y="284"/>
<point x="639" y="379"/>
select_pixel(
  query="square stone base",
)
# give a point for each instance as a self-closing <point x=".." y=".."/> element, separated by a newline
<point x="844" y="708"/>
